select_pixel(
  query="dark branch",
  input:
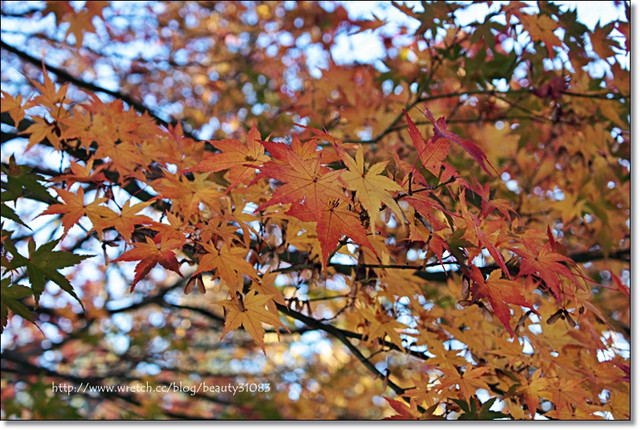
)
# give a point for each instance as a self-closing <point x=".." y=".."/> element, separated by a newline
<point x="343" y="338"/>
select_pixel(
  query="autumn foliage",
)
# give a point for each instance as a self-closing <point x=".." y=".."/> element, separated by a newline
<point x="198" y="192"/>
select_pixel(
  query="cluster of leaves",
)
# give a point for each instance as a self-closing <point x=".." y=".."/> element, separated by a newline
<point x="393" y="214"/>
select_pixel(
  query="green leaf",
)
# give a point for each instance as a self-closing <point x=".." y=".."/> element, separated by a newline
<point x="10" y="295"/>
<point x="9" y="213"/>
<point x="487" y="414"/>
<point x="22" y="183"/>
<point x="471" y="411"/>
<point x="463" y="405"/>
<point x="43" y="264"/>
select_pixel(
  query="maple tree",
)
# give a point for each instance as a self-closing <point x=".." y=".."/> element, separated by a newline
<point x="206" y="192"/>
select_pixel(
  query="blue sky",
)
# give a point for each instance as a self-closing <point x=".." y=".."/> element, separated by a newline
<point x="369" y="48"/>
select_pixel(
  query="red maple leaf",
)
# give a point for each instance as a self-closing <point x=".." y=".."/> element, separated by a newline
<point x="236" y="157"/>
<point x="546" y="264"/>
<point x="440" y="131"/>
<point x="152" y="252"/>
<point x="304" y="180"/>
<point x="500" y="292"/>
<point x="431" y="152"/>
<point x="335" y="221"/>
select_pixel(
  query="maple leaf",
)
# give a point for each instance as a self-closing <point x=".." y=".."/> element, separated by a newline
<point x="531" y="390"/>
<point x="14" y="106"/>
<point x="42" y="265"/>
<point x="11" y="296"/>
<point x="229" y="263"/>
<point x="238" y="158"/>
<point x="423" y="392"/>
<point x="79" y="21"/>
<point x="500" y="292"/>
<point x="380" y="325"/>
<point x="331" y="192"/>
<point x="40" y="130"/>
<point x="266" y="286"/>
<point x="489" y="204"/>
<point x="471" y="411"/>
<point x="404" y="412"/>
<point x="468" y="382"/>
<point x="371" y="187"/>
<point x="541" y="28"/>
<point x="74" y="208"/>
<point x="306" y="150"/>
<point x="249" y="312"/>
<point x="22" y="182"/>
<point x="305" y="181"/>
<point x="85" y="173"/>
<point x="566" y="395"/>
<point x="49" y="96"/>
<point x="336" y="221"/>
<point x="125" y="221"/>
<point x="440" y="131"/>
<point x="483" y="238"/>
<point x="621" y="286"/>
<point x="431" y="152"/>
<point x="571" y="206"/>
<point x="428" y="208"/>
<point x="546" y="264"/>
<point x="150" y="253"/>
<point x="186" y="195"/>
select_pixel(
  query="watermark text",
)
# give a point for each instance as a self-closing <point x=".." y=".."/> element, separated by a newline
<point x="173" y="387"/>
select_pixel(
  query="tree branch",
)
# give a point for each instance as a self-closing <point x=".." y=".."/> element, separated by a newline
<point x="392" y="126"/>
<point x="342" y="336"/>
<point x="66" y="76"/>
<point x="443" y="276"/>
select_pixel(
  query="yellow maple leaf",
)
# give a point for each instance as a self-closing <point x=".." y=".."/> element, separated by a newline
<point x="381" y="325"/>
<point x="372" y="189"/>
<point x="249" y="312"/>
<point x="531" y="391"/>
<point x="468" y="382"/>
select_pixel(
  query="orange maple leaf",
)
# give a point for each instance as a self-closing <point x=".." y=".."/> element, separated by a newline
<point x="49" y="96"/>
<point x="74" y="208"/>
<point x="14" y="106"/>
<point x="40" y="130"/>
<point x="541" y="28"/>
<point x="381" y="325"/>
<point x="125" y="221"/>
<point x="266" y="286"/>
<point x="151" y="253"/>
<point x="566" y="394"/>
<point x="468" y="382"/>
<point x="80" y="21"/>
<point x="229" y="263"/>
<point x="531" y="390"/>
<point x="238" y="158"/>
<point x="81" y="173"/>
